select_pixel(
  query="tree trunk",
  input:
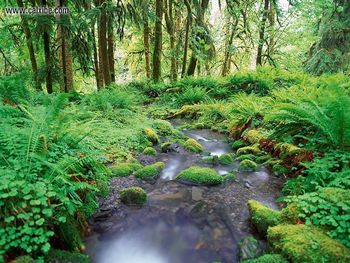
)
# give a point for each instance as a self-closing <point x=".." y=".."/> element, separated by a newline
<point x="98" y="71"/>
<point x="110" y="41"/>
<point x="48" y="66"/>
<point x="184" y="60"/>
<point x="169" y="18"/>
<point x="158" y="42"/>
<point x="64" y="54"/>
<point x="30" y="47"/>
<point x="147" y="49"/>
<point x="102" y="44"/>
<point x="227" y="59"/>
<point x="192" y="66"/>
<point x="262" y="33"/>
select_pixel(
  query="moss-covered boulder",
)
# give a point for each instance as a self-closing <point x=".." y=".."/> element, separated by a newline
<point x="164" y="128"/>
<point x="251" y="157"/>
<point x="301" y="243"/>
<point x="225" y="159"/>
<point x="62" y="256"/>
<point x="290" y="214"/>
<point x="262" y="159"/>
<point x="267" y="258"/>
<point x="165" y="147"/>
<point x="248" y="165"/>
<point x="254" y="136"/>
<point x="149" y="151"/>
<point x="249" y="248"/>
<point x="200" y="176"/>
<point x="133" y="196"/>
<point x="263" y="217"/>
<point x="238" y="144"/>
<point x="211" y="159"/>
<point x="230" y="177"/>
<point x="125" y="169"/>
<point x="151" y="135"/>
<point x="286" y="150"/>
<point x="150" y="172"/>
<point x="193" y="145"/>
<point x="253" y="149"/>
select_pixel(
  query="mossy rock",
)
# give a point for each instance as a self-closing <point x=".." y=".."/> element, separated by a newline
<point x="302" y="243"/>
<point x="251" y="157"/>
<point x="211" y="159"/>
<point x="248" y="165"/>
<point x="230" y="177"/>
<point x="200" y="125"/>
<point x="151" y="135"/>
<point x="133" y="196"/>
<point x="200" y="176"/>
<point x="253" y="149"/>
<point x="287" y="150"/>
<point x="238" y="144"/>
<point x="62" y="256"/>
<point x="249" y="248"/>
<point x="164" y="128"/>
<point x="263" y="217"/>
<point x="125" y="169"/>
<point x="150" y="172"/>
<point x="165" y="147"/>
<point x="290" y="214"/>
<point x="24" y="259"/>
<point x="254" y="136"/>
<point x="262" y="159"/>
<point x="267" y="258"/>
<point x="193" y="145"/>
<point x="225" y="159"/>
<point x="150" y="151"/>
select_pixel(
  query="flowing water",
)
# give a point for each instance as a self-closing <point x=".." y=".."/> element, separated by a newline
<point x="181" y="223"/>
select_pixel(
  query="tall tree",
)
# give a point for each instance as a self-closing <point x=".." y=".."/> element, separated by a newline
<point x="102" y="43"/>
<point x="64" y="49"/>
<point x="110" y="44"/>
<point x="30" y="46"/>
<point x="146" y="32"/>
<point x="187" y="32"/>
<point x="262" y="32"/>
<point x="170" y="26"/>
<point x="157" y="53"/>
<point x="47" y="51"/>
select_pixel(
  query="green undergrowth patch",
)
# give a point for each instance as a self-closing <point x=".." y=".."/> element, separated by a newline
<point x="133" y="196"/>
<point x="125" y="169"/>
<point x="150" y="172"/>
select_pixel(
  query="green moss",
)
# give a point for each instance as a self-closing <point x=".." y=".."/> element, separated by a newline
<point x="66" y="257"/>
<point x="287" y="150"/>
<point x="133" y="196"/>
<point x="248" y="165"/>
<point x="225" y="159"/>
<point x="301" y="243"/>
<point x="263" y="158"/>
<point x="150" y="151"/>
<point x="262" y="217"/>
<point x="254" y="149"/>
<point x="230" y="177"/>
<point x="165" y="147"/>
<point x="200" y="175"/>
<point x="24" y="259"/>
<point x="125" y="169"/>
<point x="267" y="258"/>
<point x="151" y="135"/>
<point x="238" y="144"/>
<point x="290" y="214"/>
<point x="162" y="127"/>
<point x="254" y="136"/>
<point x="251" y="157"/>
<point x="150" y="172"/>
<point x="272" y="162"/>
<point x="211" y="159"/>
<point x="193" y="145"/>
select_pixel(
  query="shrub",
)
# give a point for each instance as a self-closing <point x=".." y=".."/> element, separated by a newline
<point x="201" y="176"/>
<point x="225" y="159"/>
<point x="262" y="216"/>
<point x="150" y="151"/>
<point x="267" y="258"/>
<point x="150" y="172"/>
<point x="151" y="135"/>
<point x="193" y="145"/>
<point x="301" y="243"/>
<point x="248" y="165"/>
<point x="125" y="169"/>
<point x="249" y="83"/>
<point x="133" y="196"/>
<point x="238" y="144"/>
<point x="24" y="259"/>
<point x="191" y="96"/>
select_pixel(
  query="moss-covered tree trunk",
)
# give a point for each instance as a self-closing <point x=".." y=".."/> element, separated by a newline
<point x="146" y="47"/>
<point x="262" y="33"/>
<point x="47" y="52"/>
<point x="157" y="53"/>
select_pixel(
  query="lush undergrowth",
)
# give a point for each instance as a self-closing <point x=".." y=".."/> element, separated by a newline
<point x="55" y="148"/>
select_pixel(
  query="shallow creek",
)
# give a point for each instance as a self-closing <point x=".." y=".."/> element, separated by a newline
<point x="180" y="223"/>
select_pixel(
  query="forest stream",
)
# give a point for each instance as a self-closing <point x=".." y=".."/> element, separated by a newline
<point x="181" y="222"/>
